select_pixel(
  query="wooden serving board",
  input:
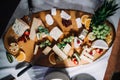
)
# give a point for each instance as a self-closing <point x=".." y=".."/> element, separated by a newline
<point x="43" y="60"/>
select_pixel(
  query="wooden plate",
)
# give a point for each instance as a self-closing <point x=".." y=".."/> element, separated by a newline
<point x="72" y="29"/>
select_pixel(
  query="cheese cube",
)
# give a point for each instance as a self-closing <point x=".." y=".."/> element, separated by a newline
<point x="67" y="49"/>
<point x="55" y="33"/>
<point x="20" y="27"/>
<point x="46" y="50"/>
<point x="59" y="52"/>
<point x="65" y="15"/>
<point x="53" y="11"/>
<point x="78" y="21"/>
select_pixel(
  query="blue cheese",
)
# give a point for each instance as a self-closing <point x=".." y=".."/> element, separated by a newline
<point x="20" y="27"/>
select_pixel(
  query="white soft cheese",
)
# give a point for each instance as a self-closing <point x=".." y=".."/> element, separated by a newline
<point x="55" y="33"/>
<point x="20" y="27"/>
<point x="100" y="44"/>
<point x="65" y="15"/>
<point x="49" y="19"/>
<point x="67" y="49"/>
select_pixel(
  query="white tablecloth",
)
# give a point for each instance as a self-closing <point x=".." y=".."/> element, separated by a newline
<point x="96" y="69"/>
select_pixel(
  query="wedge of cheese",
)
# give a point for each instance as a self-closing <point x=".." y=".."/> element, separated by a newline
<point x="55" y="33"/>
<point x="59" y="52"/>
<point x="35" y="24"/>
<point x="20" y="27"/>
<point x="100" y="44"/>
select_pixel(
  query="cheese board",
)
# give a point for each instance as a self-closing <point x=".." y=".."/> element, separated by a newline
<point x="59" y="38"/>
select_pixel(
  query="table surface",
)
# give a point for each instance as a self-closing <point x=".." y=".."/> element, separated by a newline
<point x="114" y="60"/>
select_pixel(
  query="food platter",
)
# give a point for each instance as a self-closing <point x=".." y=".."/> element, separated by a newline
<point x="59" y="38"/>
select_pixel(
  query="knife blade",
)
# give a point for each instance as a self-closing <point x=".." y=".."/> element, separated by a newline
<point x="32" y="63"/>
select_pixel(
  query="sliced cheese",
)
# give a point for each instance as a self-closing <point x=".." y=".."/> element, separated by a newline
<point x="67" y="49"/>
<point x="55" y="33"/>
<point x="36" y="49"/>
<point x="47" y="50"/>
<point x="100" y="44"/>
<point x="88" y="55"/>
<point x="78" y="21"/>
<point x="59" y="52"/>
<point x="20" y="27"/>
<point x="35" y="24"/>
<point x="65" y="15"/>
<point x="53" y="11"/>
<point x="83" y="57"/>
<point x="49" y="19"/>
<point x="83" y="34"/>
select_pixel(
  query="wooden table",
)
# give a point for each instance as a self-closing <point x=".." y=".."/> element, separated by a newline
<point x="114" y="60"/>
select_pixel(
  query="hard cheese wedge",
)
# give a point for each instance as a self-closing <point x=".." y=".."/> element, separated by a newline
<point x="35" y="24"/>
<point x="59" y="52"/>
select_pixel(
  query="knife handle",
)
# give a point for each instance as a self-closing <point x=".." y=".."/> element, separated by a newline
<point x="24" y="70"/>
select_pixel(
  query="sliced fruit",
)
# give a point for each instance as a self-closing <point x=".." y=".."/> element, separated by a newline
<point x="21" y="56"/>
<point x="87" y="23"/>
<point x="52" y="58"/>
<point x="108" y="38"/>
<point x="83" y="18"/>
<point x="101" y="44"/>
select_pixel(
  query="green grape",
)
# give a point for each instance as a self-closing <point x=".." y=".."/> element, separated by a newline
<point x="65" y="40"/>
<point x="47" y="41"/>
<point x="100" y="27"/>
<point x="98" y="36"/>
<point x="94" y="27"/>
